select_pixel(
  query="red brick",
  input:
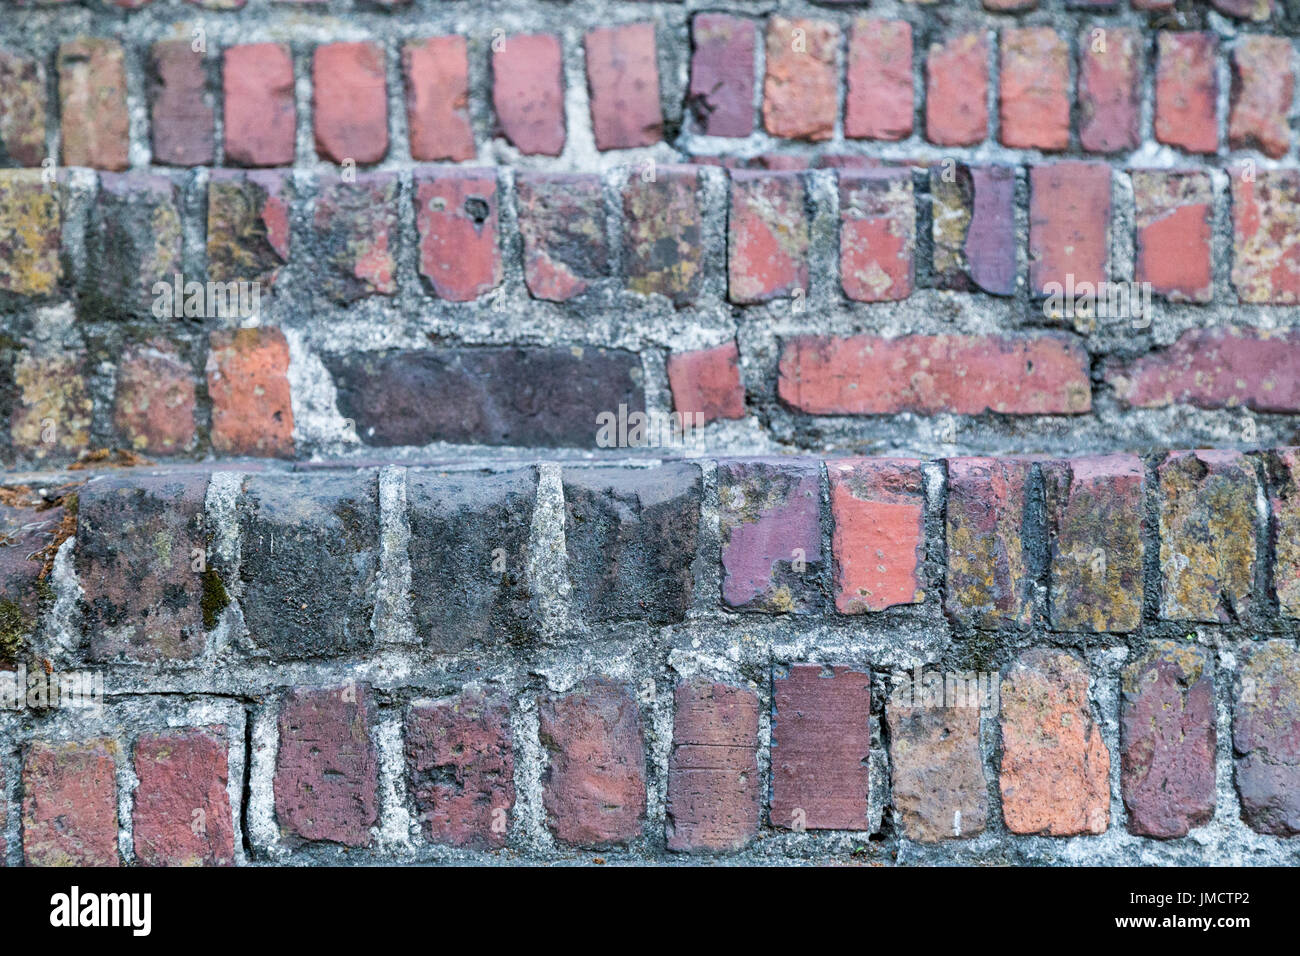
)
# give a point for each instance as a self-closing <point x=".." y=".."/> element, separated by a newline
<point x="1035" y="90"/>
<point x="956" y="90"/>
<point x="326" y="772"/>
<point x="1227" y="367"/>
<point x="52" y="405"/>
<point x="800" y="91"/>
<point x="22" y="110"/>
<point x="877" y="234"/>
<point x="248" y="225"/>
<point x="707" y="382"/>
<point x="878" y="102"/>
<point x="989" y="580"/>
<point x="713" y="785"/>
<point x="623" y="81"/>
<point x="1266" y="235"/>
<point x="1055" y="765"/>
<point x="721" y="96"/>
<point x="350" y="102"/>
<point x="461" y="766"/>
<point x="767" y="240"/>
<point x="1174" y="211"/>
<point x="259" y="113"/>
<point x="528" y="92"/>
<point x="355" y="230"/>
<point x="181" y="113"/>
<point x="31" y="231"/>
<point x="182" y="808"/>
<point x="663" y="234"/>
<point x="437" y="99"/>
<point x="153" y="407"/>
<point x="1187" y="90"/>
<point x="1266" y="738"/>
<point x="1256" y="10"/>
<point x="1069" y="224"/>
<point x="1283" y="469"/>
<point x="456" y="217"/>
<point x="1095" y="510"/>
<point x="878" y="533"/>
<point x="593" y="787"/>
<point x="1110" y="90"/>
<point x="70" y="804"/>
<point x="927" y="374"/>
<point x="561" y="218"/>
<point x="1207" y="536"/>
<point x="1263" y="83"/>
<point x="821" y="746"/>
<point x="92" y="103"/>
<point x="248" y="382"/>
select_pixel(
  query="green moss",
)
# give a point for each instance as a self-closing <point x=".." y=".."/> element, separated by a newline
<point x="215" y="599"/>
<point x="14" y="626"/>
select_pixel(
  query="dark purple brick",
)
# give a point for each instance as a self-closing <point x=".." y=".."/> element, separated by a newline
<point x="181" y="113"/>
<point x="248" y="225"/>
<point x="721" y="96"/>
<point x="562" y="221"/>
<point x="133" y="244"/>
<point x="663" y="240"/>
<point x="974" y="227"/>
<point x="355" y="237"/>
<point x="1266" y="738"/>
<point x="1167" y="736"/>
<point x="989" y="579"/>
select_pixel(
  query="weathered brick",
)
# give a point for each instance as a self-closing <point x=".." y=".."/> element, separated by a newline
<point x="800" y="91"/>
<point x="134" y="245"/>
<point x="326" y="772"/>
<point x="631" y="538"/>
<point x="1009" y="6"/>
<point x="1167" y="737"/>
<point x="1110" y="89"/>
<point x="1094" y="522"/>
<point x="259" y="107"/>
<point x="355" y="235"/>
<point x="52" y="404"/>
<point x="528" y="92"/>
<point x="623" y="82"/>
<point x="974" y="228"/>
<point x="248" y="382"/>
<point x="1266" y="738"/>
<point x="561" y="218"/>
<point x="140" y="560"/>
<point x="821" y="746"/>
<point x="1055" y="765"/>
<point x="469" y="537"/>
<point x="767" y="239"/>
<point x="1263" y="84"/>
<point x="456" y="217"/>
<point x="1034" y="94"/>
<point x="1173" y="212"/>
<point x="437" y="99"/>
<point x="878" y="101"/>
<point x="1187" y="90"/>
<point x="770" y="519"/>
<point x="713" y="786"/>
<point x="877" y="533"/>
<point x="248" y="225"/>
<point x="938" y="785"/>
<point x="180" y="107"/>
<point x="1266" y="235"/>
<point x="92" y="103"/>
<point x="1227" y="367"/>
<point x="1257" y="10"/>
<point x="706" y="382"/>
<point x="593" y="787"/>
<point x="489" y="395"/>
<point x="1207" y="535"/>
<point x="927" y="374"/>
<point x="22" y="110"/>
<point x="299" y="531"/>
<point x="70" y="804"/>
<point x="182" y="808"/>
<point x="956" y="85"/>
<point x="1283" y="469"/>
<point x="989" y="579"/>
<point x="721" y="96"/>
<point x="663" y="235"/>
<point x="877" y="234"/>
<point x="1069" y="224"/>
<point x="27" y="527"/>
<point x="31" y="229"/>
<point x="350" y="102"/>
<point x="460" y="765"/>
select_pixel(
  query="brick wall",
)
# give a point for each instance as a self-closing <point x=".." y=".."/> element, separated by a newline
<point x="370" y="300"/>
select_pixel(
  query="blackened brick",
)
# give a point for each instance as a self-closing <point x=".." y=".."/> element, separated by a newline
<point x="663" y="241"/>
<point x="562" y="222"/>
<point x="355" y="235"/>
